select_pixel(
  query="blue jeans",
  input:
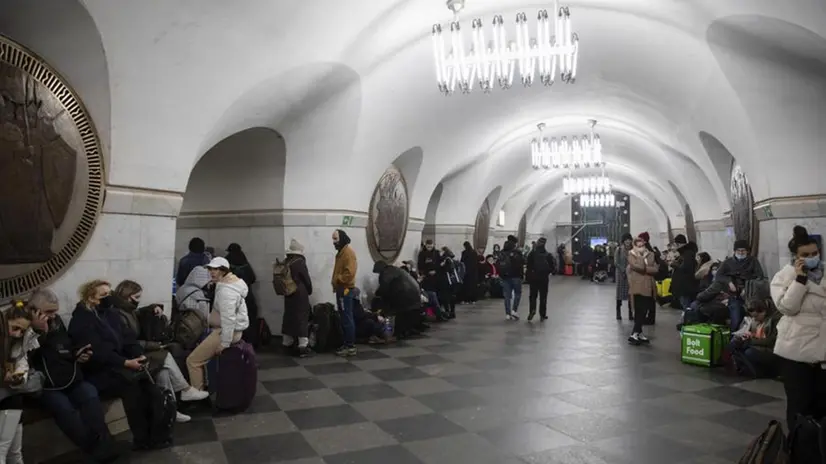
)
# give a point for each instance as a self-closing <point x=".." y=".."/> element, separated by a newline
<point x="736" y="312"/>
<point x="512" y="290"/>
<point x="345" y="307"/>
<point x="685" y="302"/>
<point x="78" y="413"/>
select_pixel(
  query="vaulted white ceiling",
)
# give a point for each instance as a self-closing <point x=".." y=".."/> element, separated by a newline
<point x="350" y="85"/>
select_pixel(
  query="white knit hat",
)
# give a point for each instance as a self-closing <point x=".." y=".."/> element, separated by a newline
<point x="295" y="248"/>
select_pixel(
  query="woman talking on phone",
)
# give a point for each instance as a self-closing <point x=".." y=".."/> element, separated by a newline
<point x="799" y="292"/>
<point x="115" y="365"/>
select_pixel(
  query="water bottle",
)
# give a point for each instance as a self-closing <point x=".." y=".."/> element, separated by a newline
<point x="174" y="287"/>
<point x="388" y="328"/>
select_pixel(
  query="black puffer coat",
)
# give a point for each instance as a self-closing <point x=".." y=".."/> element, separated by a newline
<point x="683" y="282"/>
<point x="398" y="290"/>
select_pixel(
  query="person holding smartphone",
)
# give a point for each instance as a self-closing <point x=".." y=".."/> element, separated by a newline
<point x="14" y="347"/>
<point x="116" y="365"/>
<point x="799" y="292"/>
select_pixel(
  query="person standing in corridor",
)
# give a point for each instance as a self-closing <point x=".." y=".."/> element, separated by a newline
<point x="540" y="266"/>
<point x="344" y="281"/>
<point x="511" y="268"/>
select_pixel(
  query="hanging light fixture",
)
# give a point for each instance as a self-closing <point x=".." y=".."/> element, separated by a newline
<point x="588" y="200"/>
<point x="493" y="62"/>
<point x="579" y="185"/>
<point x="578" y="153"/>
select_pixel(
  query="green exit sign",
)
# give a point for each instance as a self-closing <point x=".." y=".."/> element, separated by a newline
<point x="347" y="221"/>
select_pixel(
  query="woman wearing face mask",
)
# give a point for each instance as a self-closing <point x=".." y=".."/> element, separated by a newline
<point x="799" y="292"/>
<point x="116" y="362"/>
<point x="641" y="287"/>
<point x="135" y="321"/>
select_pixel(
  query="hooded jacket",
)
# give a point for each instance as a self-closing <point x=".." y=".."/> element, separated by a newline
<point x="346" y="265"/>
<point x="190" y="296"/>
<point x="231" y="307"/>
<point x="397" y="289"/>
<point x="801" y="333"/>
<point x="511" y="262"/>
<point x="683" y="283"/>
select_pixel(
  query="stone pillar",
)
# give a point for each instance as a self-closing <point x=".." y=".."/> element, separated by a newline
<point x="715" y="238"/>
<point x="776" y="219"/>
<point x="134" y="238"/>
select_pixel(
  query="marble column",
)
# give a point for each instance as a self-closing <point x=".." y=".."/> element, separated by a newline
<point x="715" y="237"/>
<point x="134" y="238"/>
<point x="777" y="217"/>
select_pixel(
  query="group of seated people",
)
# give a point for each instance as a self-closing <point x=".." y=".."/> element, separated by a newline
<point x="113" y="348"/>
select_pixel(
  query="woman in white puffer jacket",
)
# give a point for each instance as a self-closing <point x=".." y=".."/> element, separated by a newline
<point x="799" y="292"/>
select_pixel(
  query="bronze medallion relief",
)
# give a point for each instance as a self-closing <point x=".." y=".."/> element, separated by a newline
<point x="51" y="172"/>
<point x="482" y="227"/>
<point x="388" y="218"/>
<point x="742" y="209"/>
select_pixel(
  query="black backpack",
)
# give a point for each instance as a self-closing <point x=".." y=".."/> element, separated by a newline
<point x="541" y="264"/>
<point x="807" y="441"/>
<point x="327" y="328"/>
<point x="768" y="448"/>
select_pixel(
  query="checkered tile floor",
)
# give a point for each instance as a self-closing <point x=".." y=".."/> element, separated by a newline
<point x="485" y="391"/>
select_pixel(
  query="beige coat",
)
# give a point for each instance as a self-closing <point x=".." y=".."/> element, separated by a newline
<point x="641" y="271"/>
<point x="801" y="333"/>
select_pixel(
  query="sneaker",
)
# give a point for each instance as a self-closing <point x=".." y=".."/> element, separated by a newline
<point x="346" y="351"/>
<point x="643" y="339"/>
<point x="182" y="418"/>
<point x="508" y="317"/>
<point x="515" y="315"/>
<point x="634" y="339"/>
<point x="543" y="318"/>
<point x="304" y="352"/>
<point x="193" y="394"/>
<point x="531" y="314"/>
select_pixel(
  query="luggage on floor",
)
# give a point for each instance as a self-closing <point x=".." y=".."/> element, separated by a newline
<point x="569" y="270"/>
<point x="236" y="375"/>
<point x="807" y="441"/>
<point x="162" y="412"/>
<point x="703" y="344"/>
<point x="768" y="448"/>
<point x="326" y="328"/>
<point x="664" y="288"/>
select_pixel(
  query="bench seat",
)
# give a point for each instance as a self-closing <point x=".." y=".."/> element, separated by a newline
<point x="42" y="440"/>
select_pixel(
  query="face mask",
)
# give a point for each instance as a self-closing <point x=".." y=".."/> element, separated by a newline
<point x="812" y="262"/>
<point x="105" y="302"/>
<point x="740" y="256"/>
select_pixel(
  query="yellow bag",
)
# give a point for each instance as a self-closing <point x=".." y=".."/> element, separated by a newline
<point x="664" y="288"/>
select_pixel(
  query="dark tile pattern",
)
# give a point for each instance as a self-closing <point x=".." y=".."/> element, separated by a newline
<point x="479" y="389"/>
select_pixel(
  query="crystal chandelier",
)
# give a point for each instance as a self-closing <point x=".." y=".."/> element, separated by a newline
<point x="601" y="199"/>
<point x="586" y="185"/>
<point x="555" y="48"/>
<point x="576" y="153"/>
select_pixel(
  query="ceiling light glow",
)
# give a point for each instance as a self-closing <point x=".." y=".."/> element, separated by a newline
<point x="585" y="152"/>
<point x="554" y="49"/>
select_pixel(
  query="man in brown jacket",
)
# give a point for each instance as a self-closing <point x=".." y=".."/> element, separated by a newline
<point x="344" y="281"/>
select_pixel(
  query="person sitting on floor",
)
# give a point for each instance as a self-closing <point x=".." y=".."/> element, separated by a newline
<point x="752" y="347"/>
<point x="400" y="297"/>
<point x="369" y="325"/>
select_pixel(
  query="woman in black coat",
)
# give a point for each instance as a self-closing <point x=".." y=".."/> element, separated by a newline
<point x="241" y="267"/>
<point x="296" y="322"/>
<point x="471" y="280"/>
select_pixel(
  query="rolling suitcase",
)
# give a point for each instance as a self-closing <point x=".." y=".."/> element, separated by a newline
<point x="236" y="378"/>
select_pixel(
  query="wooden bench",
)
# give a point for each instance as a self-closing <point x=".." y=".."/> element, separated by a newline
<point x="42" y="440"/>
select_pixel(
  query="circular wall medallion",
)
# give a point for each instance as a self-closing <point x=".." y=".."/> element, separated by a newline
<point x="388" y="218"/>
<point x="690" y="230"/>
<point x="742" y="209"/>
<point x="481" y="229"/>
<point x="51" y="172"/>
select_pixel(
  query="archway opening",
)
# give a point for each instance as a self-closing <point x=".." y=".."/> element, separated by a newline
<point x="235" y="194"/>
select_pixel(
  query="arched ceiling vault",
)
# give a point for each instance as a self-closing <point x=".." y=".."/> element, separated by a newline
<point x="200" y="66"/>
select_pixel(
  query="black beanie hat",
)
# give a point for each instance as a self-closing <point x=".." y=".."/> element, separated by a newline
<point x="738" y="244"/>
